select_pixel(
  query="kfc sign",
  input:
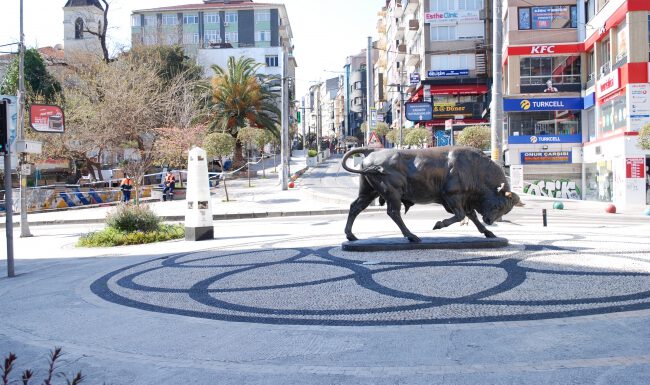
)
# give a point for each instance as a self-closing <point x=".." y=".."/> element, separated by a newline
<point x="542" y="49"/>
<point x="608" y="84"/>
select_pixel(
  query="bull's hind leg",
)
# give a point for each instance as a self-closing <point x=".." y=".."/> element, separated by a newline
<point x="366" y="195"/>
<point x="394" y="206"/>
<point x="472" y="215"/>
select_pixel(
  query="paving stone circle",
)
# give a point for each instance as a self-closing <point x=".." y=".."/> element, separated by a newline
<point x="328" y="286"/>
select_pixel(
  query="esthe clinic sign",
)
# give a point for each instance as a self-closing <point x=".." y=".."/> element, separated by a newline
<point x="46" y="118"/>
<point x="446" y="17"/>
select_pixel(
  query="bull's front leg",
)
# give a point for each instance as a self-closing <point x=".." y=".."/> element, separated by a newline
<point x="472" y="216"/>
<point x="356" y="208"/>
<point x="394" y="206"/>
<point x="454" y="207"/>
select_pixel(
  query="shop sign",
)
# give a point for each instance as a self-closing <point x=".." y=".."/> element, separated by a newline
<point x="639" y="105"/>
<point x="634" y="168"/>
<point x="546" y="157"/>
<point x="609" y="83"/>
<point x="546" y="49"/>
<point x="444" y="73"/>
<point x="457" y="110"/>
<point x="415" y="78"/>
<point x="543" y="104"/>
<point x="544" y="139"/>
<point x="556" y="16"/>
<point x="418" y="111"/>
<point x="451" y="17"/>
<point x="46" y="118"/>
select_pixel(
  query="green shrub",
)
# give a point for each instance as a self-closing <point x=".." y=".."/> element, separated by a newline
<point x="129" y="218"/>
<point x="110" y="236"/>
<point x="312" y="153"/>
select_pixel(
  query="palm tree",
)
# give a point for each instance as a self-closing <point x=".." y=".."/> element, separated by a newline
<point x="240" y="98"/>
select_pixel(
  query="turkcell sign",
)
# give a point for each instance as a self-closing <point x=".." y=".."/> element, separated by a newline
<point x="442" y="73"/>
<point x="418" y="111"/>
<point x="543" y="104"/>
<point x="545" y="139"/>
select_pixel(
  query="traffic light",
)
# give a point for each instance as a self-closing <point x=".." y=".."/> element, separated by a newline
<point x="299" y="117"/>
<point x="4" y="126"/>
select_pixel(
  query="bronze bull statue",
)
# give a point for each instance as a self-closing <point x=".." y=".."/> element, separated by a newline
<point x="462" y="179"/>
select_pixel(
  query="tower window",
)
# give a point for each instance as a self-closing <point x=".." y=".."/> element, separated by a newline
<point x="79" y="28"/>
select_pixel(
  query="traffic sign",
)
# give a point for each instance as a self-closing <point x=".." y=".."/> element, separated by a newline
<point x="374" y="142"/>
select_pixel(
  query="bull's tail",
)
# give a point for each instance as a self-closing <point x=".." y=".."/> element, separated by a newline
<point x="363" y="150"/>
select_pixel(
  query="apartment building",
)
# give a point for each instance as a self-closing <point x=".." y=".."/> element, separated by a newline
<point x="436" y="51"/>
<point x="575" y="96"/>
<point x="214" y="30"/>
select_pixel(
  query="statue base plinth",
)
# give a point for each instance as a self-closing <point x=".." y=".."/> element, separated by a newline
<point x="199" y="233"/>
<point x="427" y="243"/>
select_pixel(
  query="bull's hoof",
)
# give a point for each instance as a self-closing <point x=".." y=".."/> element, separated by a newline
<point x="414" y="238"/>
<point x="489" y="234"/>
<point x="438" y="225"/>
<point x="351" y="237"/>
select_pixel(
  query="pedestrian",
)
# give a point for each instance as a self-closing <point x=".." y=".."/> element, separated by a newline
<point x="170" y="185"/>
<point x="126" y="186"/>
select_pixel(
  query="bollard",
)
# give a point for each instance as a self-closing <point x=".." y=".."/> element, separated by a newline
<point x="544" y="217"/>
<point x="198" y="215"/>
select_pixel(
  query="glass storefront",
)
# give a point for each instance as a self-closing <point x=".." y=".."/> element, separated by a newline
<point x="544" y="123"/>
<point x="599" y="181"/>
<point x="612" y="116"/>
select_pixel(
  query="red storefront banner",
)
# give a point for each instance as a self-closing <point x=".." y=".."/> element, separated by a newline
<point x="545" y="49"/>
<point x="634" y="168"/>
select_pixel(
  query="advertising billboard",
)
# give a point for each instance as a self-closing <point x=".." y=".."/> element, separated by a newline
<point x="452" y="110"/>
<point x="548" y="17"/>
<point x="46" y="118"/>
<point x="544" y="139"/>
<point x="543" y="104"/>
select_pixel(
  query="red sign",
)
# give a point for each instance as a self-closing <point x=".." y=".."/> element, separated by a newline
<point x="634" y="168"/>
<point x="547" y="49"/>
<point x="45" y="118"/>
<point x="373" y="141"/>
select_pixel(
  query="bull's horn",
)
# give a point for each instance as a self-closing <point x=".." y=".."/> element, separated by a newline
<point x="501" y="187"/>
<point x="508" y="194"/>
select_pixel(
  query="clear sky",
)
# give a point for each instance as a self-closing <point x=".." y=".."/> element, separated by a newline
<point x="325" y="31"/>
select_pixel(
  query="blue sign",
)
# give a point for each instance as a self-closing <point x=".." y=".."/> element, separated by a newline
<point x="543" y="139"/>
<point x="589" y="101"/>
<point x="543" y="104"/>
<point x="442" y="138"/>
<point x="415" y="78"/>
<point x="439" y="73"/>
<point x="418" y="111"/>
<point x="546" y="157"/>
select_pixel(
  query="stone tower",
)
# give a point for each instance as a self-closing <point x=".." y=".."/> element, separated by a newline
<point x="79" y="17"/>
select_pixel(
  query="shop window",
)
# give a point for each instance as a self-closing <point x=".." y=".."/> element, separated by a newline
<point x="550" y="74"/>
<point x="599" y="181"/>
<point x="544" y="123"/>
<point x="613" y="116"/>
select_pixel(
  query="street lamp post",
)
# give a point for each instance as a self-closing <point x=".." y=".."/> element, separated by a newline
<point x="24" y="225"/>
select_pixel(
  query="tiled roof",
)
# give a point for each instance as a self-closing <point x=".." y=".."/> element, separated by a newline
<point x="48" y="53"/>
<point x="84" y="3"/>
<point x="199" y="7"/>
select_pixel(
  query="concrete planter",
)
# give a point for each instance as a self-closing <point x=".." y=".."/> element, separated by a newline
<point x="311" y="161"/>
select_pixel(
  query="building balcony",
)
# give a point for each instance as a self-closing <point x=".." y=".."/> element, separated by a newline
<point x="413" y="59"/>
<point x="411" y="6"/>
<point x="414" y="24"/>
<point x="401" y="52"/>
<point x="399" y="32"/>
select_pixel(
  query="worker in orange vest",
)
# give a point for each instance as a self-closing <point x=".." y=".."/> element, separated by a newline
<point x="126" y="186"/>
<point x="170" y="185"/>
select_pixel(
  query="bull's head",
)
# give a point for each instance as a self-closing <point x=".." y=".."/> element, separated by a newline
<point x="500" y="205"/>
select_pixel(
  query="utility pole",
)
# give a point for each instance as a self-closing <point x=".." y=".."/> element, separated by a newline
<point x="284" y="142"/>
<point x="401" y="114"/>
<point x="369" y="88"/>
<point x="24" y="225"/>
<point x="496" y="112"/>
<point x="319" y="122"/>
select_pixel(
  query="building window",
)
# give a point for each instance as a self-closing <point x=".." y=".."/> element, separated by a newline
<point x="191" y="38"/>
<point x="550" y="74"/>
<point x="211" y="18"/>
<point x="169" y="19"/>
<point x="544" y="123"/>
<point x="549" y="17"/>
<point x="231" y="17"/>
<point x="443" y="33"/>
<point x="613" y="115"/>
<point x="79" y="28"/>
<point x="212" y="36"/>
<point x="470" y="5"/>
<point x="150" y="21"/>
<point x="232" y="37"/>
<point x="442" y="5"/>
<point x="135" y="21"/>
<point x="262" y="16"/>
<point x="191" y="19"/>
<point x="263" y="36"/>
<point x="272" y="61"/>
<point x="605" y="58"/>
